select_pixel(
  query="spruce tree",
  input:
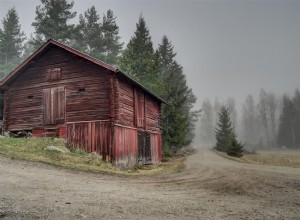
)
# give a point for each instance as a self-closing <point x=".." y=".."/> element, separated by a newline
<point x="225" y="135"/>
<point x="138" y="59"/>
<point x="111" y="39"/>
<point x="51" y="21"/>
<point x="235" y="149"/>
<point x="88" y="34"/>
<point x="224" y="130"/>
<point x="11" y="42"/>
<point x="178" y="119"/>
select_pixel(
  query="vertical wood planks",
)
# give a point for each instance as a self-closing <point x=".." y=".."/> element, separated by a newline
<point x="125" y="146"/>
<point x="92" y="136"/>
<point x="156" y="147"/>
<point x="54" y="106"/>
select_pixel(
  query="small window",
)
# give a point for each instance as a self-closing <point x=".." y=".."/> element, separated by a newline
<point x="53" y="74"/>
<point x="30" y="97"/>
<point x="81" y="90"/>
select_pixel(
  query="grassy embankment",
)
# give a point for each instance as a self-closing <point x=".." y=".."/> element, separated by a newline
<point x="277" y="157"/>
<point x="33" y="149"/>
<point x="274" y="157"/>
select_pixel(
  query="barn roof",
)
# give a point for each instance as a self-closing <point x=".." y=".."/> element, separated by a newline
<point x="12" y="75"/>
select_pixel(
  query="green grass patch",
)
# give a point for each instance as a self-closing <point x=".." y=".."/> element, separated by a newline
<point x="33" y="149"/>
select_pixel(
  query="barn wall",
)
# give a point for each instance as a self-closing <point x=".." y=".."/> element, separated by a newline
<point x="76" y="73"/>
<point x="92" y="136"/>
<point x="117" y="144"/>
<point x="126" y="103"/>
<point x="134" y="108"/>
<point x="156" y="147"/>
<point x="126" y="146"/>
<point x="152" y="113"/>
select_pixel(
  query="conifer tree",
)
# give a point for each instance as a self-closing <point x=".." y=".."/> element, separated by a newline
<point x="178" y="119"/>
<point x="88" y="37"/>
<point x="51" y="21"/>
<point x="138" y="59"/>
<point x="235" y="149"/>
<point x="11" y="42"/>
<point x="224" y="130"/>
<point x="225" y="135"/>
<point x="111" y="39"/>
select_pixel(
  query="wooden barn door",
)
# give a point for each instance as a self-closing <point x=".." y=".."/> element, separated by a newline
<point x="144" y="148"/>
<point x="54" y="106"/>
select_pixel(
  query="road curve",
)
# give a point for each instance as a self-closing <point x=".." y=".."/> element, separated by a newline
<point x="211" y="187"/>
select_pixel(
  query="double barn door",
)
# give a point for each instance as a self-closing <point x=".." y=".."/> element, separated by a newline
<point x="54" y="102"/>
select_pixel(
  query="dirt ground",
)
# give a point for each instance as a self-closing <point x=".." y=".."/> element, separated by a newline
<point x="211" y="187"/>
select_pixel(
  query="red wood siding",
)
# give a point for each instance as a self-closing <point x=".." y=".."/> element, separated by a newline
<point x="156" y="147"/>
<point x="140" y="109"/>
<point x="93" y="136"/>
<point x="126" y="103"/>
<point x="76" y="73"/>
<point x="152" y="114"/>
<point x="135" y="109"/>
<point x="116" y="87"/>
<point x="126" y="146"/>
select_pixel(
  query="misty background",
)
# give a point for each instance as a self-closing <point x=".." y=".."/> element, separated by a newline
<point x="228" y="49"/>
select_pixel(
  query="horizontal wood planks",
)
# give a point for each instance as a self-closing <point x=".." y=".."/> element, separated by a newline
<point x="86" y="90"/>
<point x="152" y="108"/>
<point x="92" y="137"/>
<point x="126" y="103"/>
<point x="134" y="108"/>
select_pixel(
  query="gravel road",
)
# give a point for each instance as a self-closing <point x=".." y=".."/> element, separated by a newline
<point x="211" y="187"/>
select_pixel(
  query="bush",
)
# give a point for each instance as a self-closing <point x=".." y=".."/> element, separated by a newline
<point x="235" y="149"/>
<point x="167" y="153"/>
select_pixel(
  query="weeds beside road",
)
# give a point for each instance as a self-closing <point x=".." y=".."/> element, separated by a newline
<point x="34" y="149"/>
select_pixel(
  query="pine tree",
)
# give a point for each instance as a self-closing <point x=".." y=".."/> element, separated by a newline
<point x="138" y="59"/>
<point x="111" y="39"/>
<point x="167" y="55"/>
<point x="235" y="149"/>
<point x="11" y="42"/>
<point x="224" y="130"/>
<point x="225" y="135"/>
<point x="51" y="21"/>
<point x="88" y="34"/>
<point x="178" y="119"/>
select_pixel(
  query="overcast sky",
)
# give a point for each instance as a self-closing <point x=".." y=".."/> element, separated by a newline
<point x="227" y="48"/>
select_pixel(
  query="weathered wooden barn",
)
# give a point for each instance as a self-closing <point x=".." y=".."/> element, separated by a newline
<point x="59" y="91"/>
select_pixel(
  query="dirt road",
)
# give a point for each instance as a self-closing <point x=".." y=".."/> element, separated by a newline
<point x="211" y="187"/>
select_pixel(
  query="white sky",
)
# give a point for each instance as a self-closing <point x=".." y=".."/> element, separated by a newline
<point x="227" y="48"/>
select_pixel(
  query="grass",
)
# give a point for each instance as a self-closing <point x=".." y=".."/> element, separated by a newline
<point x="278" y="157"/>
<point x="33" y="149"/>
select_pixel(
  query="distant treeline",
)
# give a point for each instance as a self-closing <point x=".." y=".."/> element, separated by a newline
<point x="99" y="37"/>
<point x="271" y="121"/>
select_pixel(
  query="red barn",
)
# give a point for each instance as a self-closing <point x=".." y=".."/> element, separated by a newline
<point x="59" y="91"/>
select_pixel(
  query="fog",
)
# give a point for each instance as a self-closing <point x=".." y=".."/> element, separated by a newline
<point x="227" y="48"/>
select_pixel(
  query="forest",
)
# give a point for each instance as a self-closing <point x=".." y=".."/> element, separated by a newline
<point x="267" y="121"/>
<point x="154" y="66"/>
